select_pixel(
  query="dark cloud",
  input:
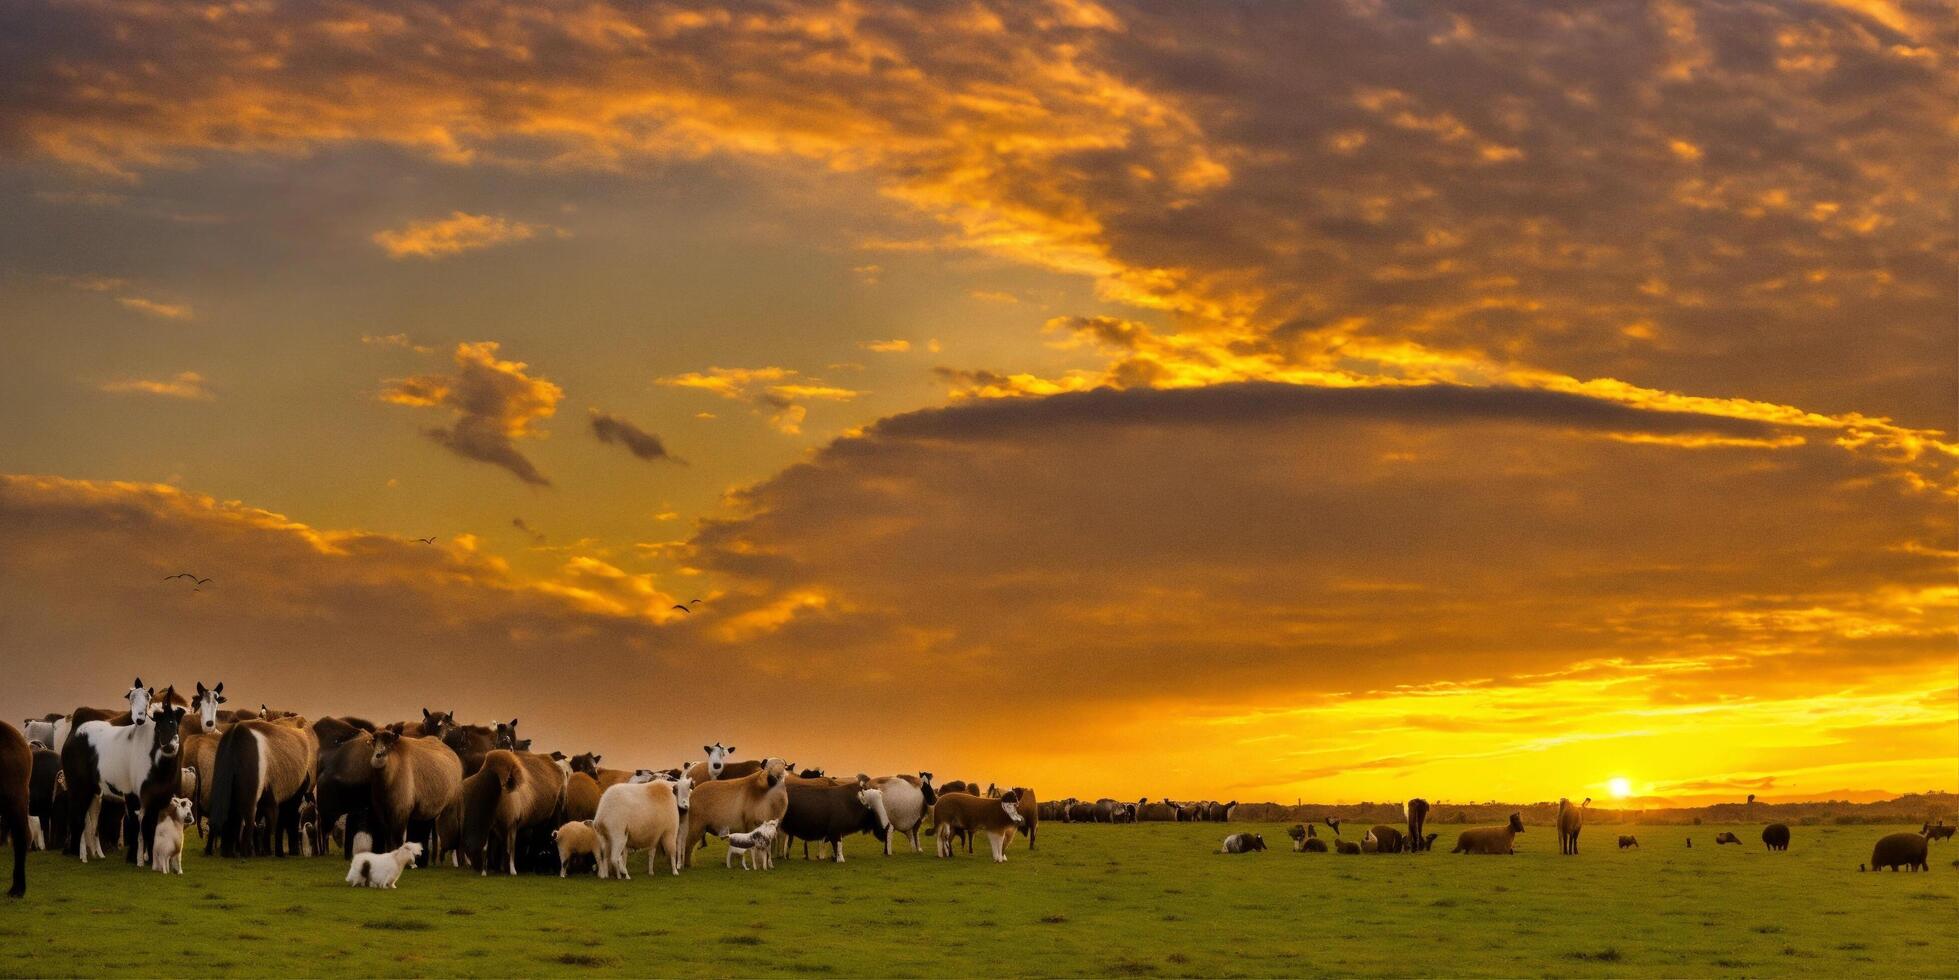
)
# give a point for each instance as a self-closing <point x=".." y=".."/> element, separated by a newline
<point x="495" y="402"/>
<point x="613" y="430"/>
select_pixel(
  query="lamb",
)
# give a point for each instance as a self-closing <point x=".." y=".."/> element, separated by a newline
<point x="167" y="852"/>
<point x="383" y="870"/>
<point x="575" y="839"/>
<point x="1491" y="840"/>
<point x="755" y="844"/>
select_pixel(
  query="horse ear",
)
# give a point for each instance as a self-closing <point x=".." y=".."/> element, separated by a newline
<point x="200" y="687"/>
<point x="730" y="750"/>
<point x="139" y="682"/>
<point x="219" y="689"/>
<point x="709" y="749"/>
<point x="596" y="757"/>
<point x="222" y="699"/>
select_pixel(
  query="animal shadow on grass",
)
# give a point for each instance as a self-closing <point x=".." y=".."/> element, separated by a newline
<point x="398" y="925"/>
<point x="585" y="959"/>
<point x="1610" y="954"/>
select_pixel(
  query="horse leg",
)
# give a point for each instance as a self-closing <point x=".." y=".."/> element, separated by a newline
<point x="510" y="850"/>
<point x="86" y="817"/>
<point x="17" y="820"/>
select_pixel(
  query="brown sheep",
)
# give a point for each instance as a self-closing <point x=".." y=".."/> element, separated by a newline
<point x="1490" y="840"/>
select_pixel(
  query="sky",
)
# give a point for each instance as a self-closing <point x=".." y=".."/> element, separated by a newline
<point x="1341" y="402"/>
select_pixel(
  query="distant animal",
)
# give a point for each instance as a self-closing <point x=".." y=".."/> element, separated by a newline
<point x="1725" y="838"/>
<point x="1242" y="844"/>
<point x="372" y="870"/>
<point x="1299" y="836"/>
<point x="588" y="763"/>
<point x="1627" y="840"/>
<point x="756" y="846"/>
<point x="1906" y="850"/>
<point x="576" y="839"/>
<point x="729" y="806"/>
<point x="1690" y="843"/>
<point x="427" y="540"/>
<point x="715" y="765"/>
<point x="1428" y="842"/>
<point x="1938" y="831"/>
<point x="1776" y="836"/>
<point x="1387" y="840"/>
<point x="1029" y="807"/>
<point x="1346" y="847"/>
<point x="261" y="776"/>
<point x="1571" y="819"/>
<point x="997" y="819"/>
<point x="1416" y="812"/>
<point x="16" y="783"/>
<point x="167" y="849"/>
<point x="1490" y="840"/>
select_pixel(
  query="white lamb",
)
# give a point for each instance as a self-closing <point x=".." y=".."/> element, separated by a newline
<point x="383" y="870"/>
<point x="755" y="844"/>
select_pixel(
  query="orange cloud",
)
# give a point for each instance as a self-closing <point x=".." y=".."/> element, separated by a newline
<point x="779" y="390"/>
<point x="187" y="385"/>
<point x="460" y="232"/>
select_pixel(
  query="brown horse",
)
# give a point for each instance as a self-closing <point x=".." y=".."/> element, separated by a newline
<point x="471" y="743"/>
<point x="415" y="780"/>
<point x="261" y="775"/>
<point x="16" y="778"/>
<point x="512" y="792"/>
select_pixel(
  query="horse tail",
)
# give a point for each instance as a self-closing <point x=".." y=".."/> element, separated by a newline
<point x="234" y="788"/>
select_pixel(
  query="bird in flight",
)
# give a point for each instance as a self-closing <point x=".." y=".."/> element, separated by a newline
<point x="200" y="582"/>
<point x="187" y="575"/>
<point x="693" y="602"/>
<point x="684" y="609"/>
<point x="428" y="540"/>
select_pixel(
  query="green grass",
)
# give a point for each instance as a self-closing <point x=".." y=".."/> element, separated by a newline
<point x="1150" y="900"/>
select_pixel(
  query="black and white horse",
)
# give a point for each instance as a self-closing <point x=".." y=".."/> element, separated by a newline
<point x="136" y="762"/>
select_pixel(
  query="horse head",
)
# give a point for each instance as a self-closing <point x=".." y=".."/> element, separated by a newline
<point x="205" y="703"/>
<point x="139" y="698"/>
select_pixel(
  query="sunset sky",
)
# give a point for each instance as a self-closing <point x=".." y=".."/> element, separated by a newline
<point x="1344" y="401"/>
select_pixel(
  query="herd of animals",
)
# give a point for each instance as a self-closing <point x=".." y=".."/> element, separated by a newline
<point x="395" y="796"/>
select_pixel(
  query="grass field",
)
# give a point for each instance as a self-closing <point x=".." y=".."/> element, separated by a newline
<point x="1150" y="899"/>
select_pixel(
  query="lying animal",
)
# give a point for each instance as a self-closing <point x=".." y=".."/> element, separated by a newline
<point x="1346" y="847"/>
<point x="1491" y="840"/>
<point x="757" y="845"/>
<point x="1725" y="838"/>
<point x="382" y="870"/>
<point x="1243" y="844"/>
<point x="575" y="839"/>
<point x="1627" y="840"/>
<point x="167" y="853"/>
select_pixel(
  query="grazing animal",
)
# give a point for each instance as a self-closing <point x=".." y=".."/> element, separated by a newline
<point x="1906" y="850"/>
<point x="1571" y="819"/>
<point x="1937" y="831"/>
<point x="757" y="845"/>
<point x="261" y="776"/>
<point x="1416" y="812"/>
<point x="1725" y="838"/>
<point x="975" y="815"/>
<point x="1491" y="840"/>
<point x="729" y="806"/>
<point x="16" y="784"/>
<point x="167" y="850"/>
<point x="1690" y="843"/>
<point x="1627" y="840"/>
<point x="1346" y="847"/>
<point x="382" y="870"/>
<point x="1387" y="840"/>
<point x="515" y="791"/>
<point x="652" y="816"/>
<point x="1428" y="843"/>
<point x="1029" y="808"/>
<point x="907" y="799"/>
<point x="136" y="763"/>
<point x="415" y="780"/>
<point x="576" y="839"/>
<point x="1242" y="844"/>
<point x="819" y="812"/>
<point x="1775" y="836"/>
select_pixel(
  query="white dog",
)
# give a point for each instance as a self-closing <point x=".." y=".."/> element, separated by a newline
<point x="167" y="850"/>
<point x="755" y="844"/>
<point x="382" y="870"/>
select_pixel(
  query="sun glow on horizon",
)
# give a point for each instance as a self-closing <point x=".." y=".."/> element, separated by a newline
<point x="1619" y="786"/>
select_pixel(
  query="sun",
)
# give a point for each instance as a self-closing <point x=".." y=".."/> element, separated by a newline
<point x="1619" y="786"/>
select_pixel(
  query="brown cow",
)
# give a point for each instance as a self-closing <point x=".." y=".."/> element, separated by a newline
<point x="1491" y="840"/>
<point x="996" y="818"/>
